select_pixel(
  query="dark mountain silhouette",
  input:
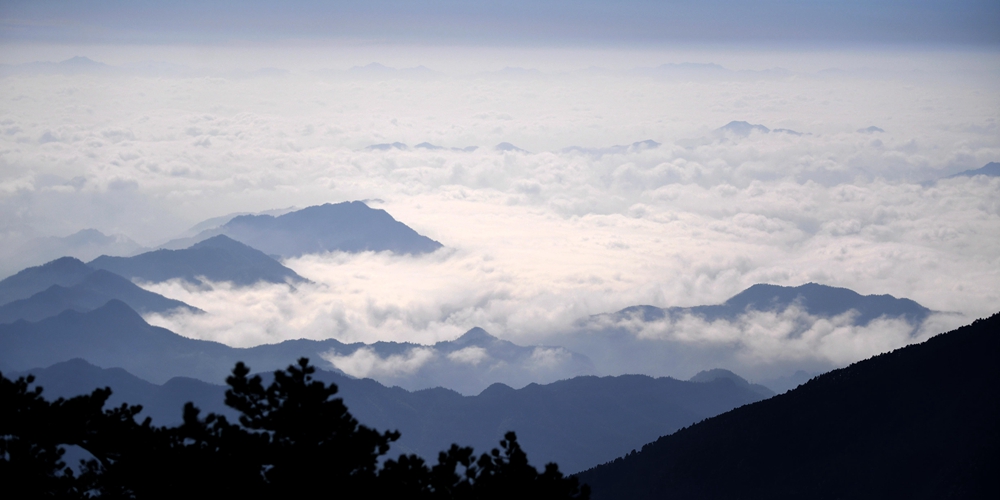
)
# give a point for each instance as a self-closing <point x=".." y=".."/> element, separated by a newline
<point x="219" y="258"/>
<point x="94" y="291"/>
<point x="918" y="422"/>
<point x="813" y="298"/>
<point x="293" y="439"/>
<point x="991" y="169"/>
<point x="345" y="227"/>
<point x="577" y="423"/>
<point x="115" y="335"/>
<point x="163" y="403"/>
<point x="722" y="374"/>
<point x="112" y="335"/>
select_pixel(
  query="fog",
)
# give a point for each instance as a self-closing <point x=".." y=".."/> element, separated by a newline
<point x="535" y="240"/>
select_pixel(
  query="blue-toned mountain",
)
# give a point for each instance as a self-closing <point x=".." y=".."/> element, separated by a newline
<point x="812" y="298"/>
<point x="577" y="423"/>
<point x="218" y="258"/>
<point x="95" y="290"/>
<point x="116" y="336"/>
<point x="340" y="227"/>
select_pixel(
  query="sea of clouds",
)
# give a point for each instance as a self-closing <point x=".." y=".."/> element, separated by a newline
<point x="535" y="240"/>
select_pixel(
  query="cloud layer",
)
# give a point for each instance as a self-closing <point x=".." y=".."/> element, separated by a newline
<point x="534" y="241"/>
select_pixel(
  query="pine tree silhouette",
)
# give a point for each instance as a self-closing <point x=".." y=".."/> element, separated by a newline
<point x="293" y="439"/>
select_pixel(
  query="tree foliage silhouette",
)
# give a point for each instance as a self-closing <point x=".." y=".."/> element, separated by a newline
<point x="293" y="438"/>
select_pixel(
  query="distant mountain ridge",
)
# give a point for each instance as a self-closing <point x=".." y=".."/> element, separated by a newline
<point x="918" y="422"/>
<point x="722" y="374"/>
<point x="65" y="271"/>
<point x="813" y="298"/>
<point x="94" y="291"/>
<point x="114" y="335"/>
<point x="577" y="423"/>
<point x="346" y="227"/>
<point x="218" y="258"/>
<point x="681" y="341"/>
<point x="42" y="291"/>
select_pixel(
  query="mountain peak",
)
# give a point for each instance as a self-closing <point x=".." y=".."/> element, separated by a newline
<point x="715" y="374"/>
<point x="64" y="264"/>
<point x="475" y="336"/>
<point x="742" y="128"/>
<point x="222" y="241"/>
<point x="350" y="226"/>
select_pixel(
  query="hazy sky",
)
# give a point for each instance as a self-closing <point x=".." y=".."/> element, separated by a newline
<point x="182" y="127"/>
<point x="519" y="22"/>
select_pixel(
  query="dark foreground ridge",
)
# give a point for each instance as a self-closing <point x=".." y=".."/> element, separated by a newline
<point x="918" y="422"/>
<point x="292" y="440"/>
<point x="576" y="423"/>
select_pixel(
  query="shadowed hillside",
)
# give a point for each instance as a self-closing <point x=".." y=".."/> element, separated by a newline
<point x="918" y="422"/>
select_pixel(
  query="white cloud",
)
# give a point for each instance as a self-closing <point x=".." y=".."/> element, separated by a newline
<point x="534" y="241"/>
<point x="365" y="363"/>
<point x="548" y="358"/>
<point x="470" y="355"/>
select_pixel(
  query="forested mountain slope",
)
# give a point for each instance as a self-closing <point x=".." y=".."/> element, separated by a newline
<point x="919" y="422"/>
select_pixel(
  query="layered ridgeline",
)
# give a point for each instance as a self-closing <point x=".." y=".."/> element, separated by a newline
<point x="812" y="298"/>
<point x="116" y="336"/>
<point x="918" y="422"/>
<point x="665" y="341"/>
<point x="68" y="284"/>
<point x="345" y="227"/>
<point x="576" y="423"/>
<point x="218" y="258"/>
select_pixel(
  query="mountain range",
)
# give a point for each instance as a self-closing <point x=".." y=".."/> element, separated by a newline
<point x="814" y="299"/>
<point x="577" y="423"/>
<point x="64" y="284"/>
<point x="600" y="344"/>
<point x="652" y="340"/>
<point x="218" y="258"/>
<point x="93" y="291"/>
<point x="341" y="227"/>
<point x="918" y="422"/>
<point x="114" y="335"/>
